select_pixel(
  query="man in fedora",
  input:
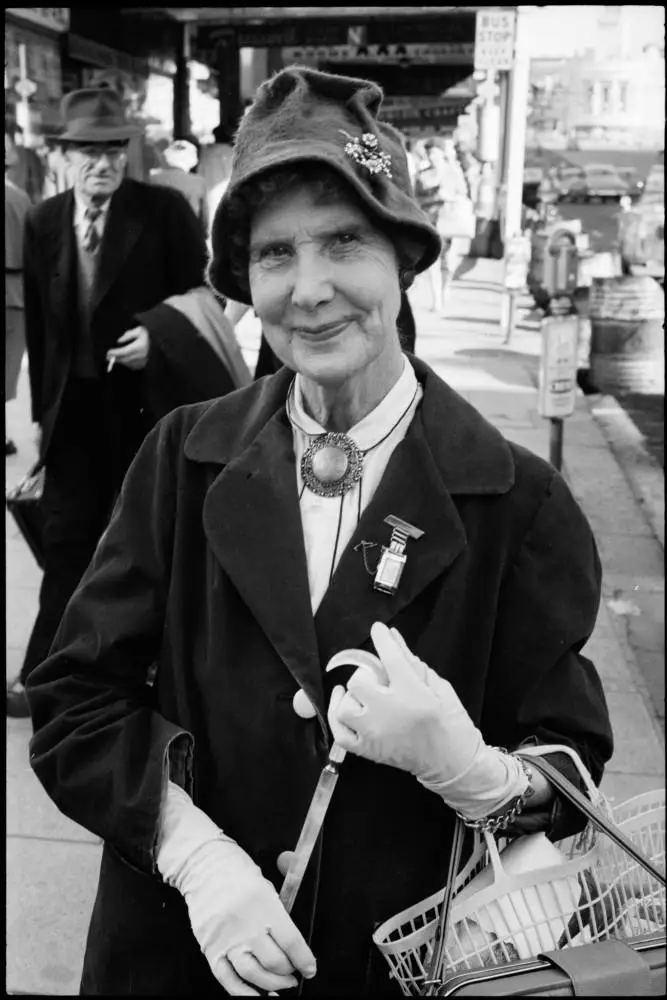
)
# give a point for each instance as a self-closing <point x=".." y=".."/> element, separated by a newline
<point x="95" y="257"/>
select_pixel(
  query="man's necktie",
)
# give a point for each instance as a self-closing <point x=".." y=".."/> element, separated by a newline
<point x="91" y="237"/>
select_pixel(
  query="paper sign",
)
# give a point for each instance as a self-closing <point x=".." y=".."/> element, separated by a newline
<point x="558" y="369"/>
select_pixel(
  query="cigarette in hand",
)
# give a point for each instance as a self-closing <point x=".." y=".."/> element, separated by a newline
<point x="111" y="362"/>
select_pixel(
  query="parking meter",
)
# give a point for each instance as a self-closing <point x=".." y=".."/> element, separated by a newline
<point x="562" y="264"/>
<point x="558" y="370"/>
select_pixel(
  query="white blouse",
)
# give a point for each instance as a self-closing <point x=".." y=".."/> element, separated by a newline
<point x="329" y="522"/>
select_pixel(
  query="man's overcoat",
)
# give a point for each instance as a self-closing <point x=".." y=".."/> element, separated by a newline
<point x="193" y="630"/>
<point x="153" y="247"/>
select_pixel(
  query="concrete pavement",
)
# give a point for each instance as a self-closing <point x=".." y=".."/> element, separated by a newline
<point x="52" y="863"/>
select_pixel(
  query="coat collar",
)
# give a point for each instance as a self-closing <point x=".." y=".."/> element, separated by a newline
<point x="470" y="455"/>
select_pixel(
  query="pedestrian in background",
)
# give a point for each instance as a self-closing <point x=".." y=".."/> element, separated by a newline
<point x="215" y="166"/>
<point x="26" y="170"/>
<point x="17" y="206"/>
<point x="95" y="257"/>
<point x="194" y="353"/>
<point x="181" y="157"/>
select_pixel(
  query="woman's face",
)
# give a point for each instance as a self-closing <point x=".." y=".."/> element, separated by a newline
<point x="324" y="283"/>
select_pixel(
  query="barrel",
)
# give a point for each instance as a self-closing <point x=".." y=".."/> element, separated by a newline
<point x="627" y="335"/>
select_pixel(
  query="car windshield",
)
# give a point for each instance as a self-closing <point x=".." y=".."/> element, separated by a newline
<point x="595" y="169"/>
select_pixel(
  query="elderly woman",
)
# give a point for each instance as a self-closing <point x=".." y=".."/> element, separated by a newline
<point x="184" y="713"/>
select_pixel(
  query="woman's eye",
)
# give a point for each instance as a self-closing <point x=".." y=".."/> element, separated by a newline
<point x="276" y="252"/>
<point x="345" y="239"/>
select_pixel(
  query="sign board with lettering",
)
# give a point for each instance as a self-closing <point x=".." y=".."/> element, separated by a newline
<point x="558" y="368"/>
<point x="55" y="18"/>
<point x="435" y="53"/>
<point x="97" y="54"/>
<point x="423" y="115"/>
<point x="494" y="40"/>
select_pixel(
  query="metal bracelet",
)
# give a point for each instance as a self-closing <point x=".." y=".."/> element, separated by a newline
<point x="493" y="824"/>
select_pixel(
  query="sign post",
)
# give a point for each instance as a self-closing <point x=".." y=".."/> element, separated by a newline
<point x="558" y="373"/>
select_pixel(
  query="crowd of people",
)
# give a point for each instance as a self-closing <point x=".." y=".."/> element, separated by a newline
<point x="205" y="562"/>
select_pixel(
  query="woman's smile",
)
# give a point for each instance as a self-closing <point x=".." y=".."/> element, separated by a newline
<point x="324" y="332"/>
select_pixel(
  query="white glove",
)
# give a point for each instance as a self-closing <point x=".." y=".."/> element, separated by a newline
<point x="236" y="915"/>
<point x="418" y="724"/>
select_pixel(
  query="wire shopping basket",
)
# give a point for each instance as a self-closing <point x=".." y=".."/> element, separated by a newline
<point x="586" y="889"/>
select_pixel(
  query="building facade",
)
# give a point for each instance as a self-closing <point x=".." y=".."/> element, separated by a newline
<point x="611" y="95"/>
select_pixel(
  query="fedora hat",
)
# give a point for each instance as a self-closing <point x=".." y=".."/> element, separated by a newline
<point x="304" y="116"/>
<point x="95" y="114"/>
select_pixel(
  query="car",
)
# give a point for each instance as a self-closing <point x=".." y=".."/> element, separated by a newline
<point x="566" y="177"/>
<point x="598" y="181"/>
<point x="631" y="177"/>
<point x="653" y="192"/>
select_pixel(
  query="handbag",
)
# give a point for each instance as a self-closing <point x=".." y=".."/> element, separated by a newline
<point x="591" y="921"/>
<point x="24" y="503"/>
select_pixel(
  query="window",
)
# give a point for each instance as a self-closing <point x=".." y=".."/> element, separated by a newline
<point x="623" y="97"/>
<point x="606" y="97"/>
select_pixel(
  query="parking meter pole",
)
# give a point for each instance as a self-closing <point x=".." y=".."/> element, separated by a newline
<point x="510" y="315"/>
<point x="556" y="443"/>
<point x="517" y="259"/>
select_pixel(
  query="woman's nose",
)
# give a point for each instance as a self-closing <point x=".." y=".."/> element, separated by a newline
<point x="312" y="282"/>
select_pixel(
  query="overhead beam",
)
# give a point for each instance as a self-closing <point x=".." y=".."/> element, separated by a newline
<point x="264" y="15"/>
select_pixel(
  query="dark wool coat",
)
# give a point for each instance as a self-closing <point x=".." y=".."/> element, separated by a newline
<point x="202" y="572"/>
<point x="152" y="247"/>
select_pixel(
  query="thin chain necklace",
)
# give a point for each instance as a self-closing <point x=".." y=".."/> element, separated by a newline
<point x="333" y="463"/>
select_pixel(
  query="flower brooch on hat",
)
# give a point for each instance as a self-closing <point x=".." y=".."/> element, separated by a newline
<point x="366" y="151"/>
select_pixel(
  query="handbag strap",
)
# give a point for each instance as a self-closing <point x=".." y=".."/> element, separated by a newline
<point x="440" y="940"/>
<point x="569" y="791"/>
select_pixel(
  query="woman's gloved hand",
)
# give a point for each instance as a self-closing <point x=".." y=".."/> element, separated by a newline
<point x="417" y="723"/>
<point x="236" y="915"/>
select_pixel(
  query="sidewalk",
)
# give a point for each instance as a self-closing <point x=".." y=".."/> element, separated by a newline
<point x="52" y="863"/>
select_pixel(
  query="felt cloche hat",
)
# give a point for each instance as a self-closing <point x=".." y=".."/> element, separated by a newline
<point x="301" y="115"/>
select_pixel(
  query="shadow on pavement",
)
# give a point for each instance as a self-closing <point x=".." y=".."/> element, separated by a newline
<point x="510" y="368"/>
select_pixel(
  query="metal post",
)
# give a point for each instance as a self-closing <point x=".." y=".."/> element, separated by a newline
<point x="517" y="114"/>
<point x="511" y="315"/>
<point x="182" y="125"/>
<point x="556" y="442"/>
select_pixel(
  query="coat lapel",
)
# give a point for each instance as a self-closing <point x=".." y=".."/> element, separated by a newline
<point x="253" y="524"/>
<point x="449" y="449"/>
<point x="413" y="490"/>
<point x="123" y="228"/>
<point x="62" y="263"/>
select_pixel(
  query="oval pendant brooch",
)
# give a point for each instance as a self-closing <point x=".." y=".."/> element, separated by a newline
<point x="331" y="465"/>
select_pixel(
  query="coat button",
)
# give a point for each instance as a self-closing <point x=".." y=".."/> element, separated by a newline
<point x="284" y="861"/>
<point x="303" y="706"/>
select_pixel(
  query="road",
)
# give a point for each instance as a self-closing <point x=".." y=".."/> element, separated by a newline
<point x="599" y="221"/>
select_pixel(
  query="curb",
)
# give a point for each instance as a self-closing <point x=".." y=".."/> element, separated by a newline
<point x="644" y="475"/>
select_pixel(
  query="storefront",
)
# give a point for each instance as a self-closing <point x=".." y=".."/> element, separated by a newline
<point x="33" y="67"/>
